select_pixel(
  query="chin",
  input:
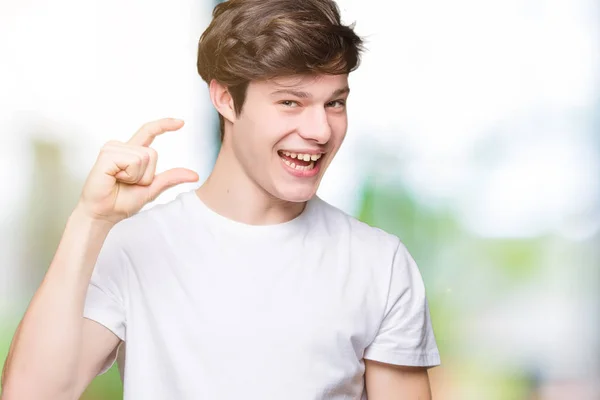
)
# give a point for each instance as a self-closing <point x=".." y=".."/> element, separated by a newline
<point x="296" y="193"/>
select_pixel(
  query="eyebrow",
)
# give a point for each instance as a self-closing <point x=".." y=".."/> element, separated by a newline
<point x="306" y="95"/>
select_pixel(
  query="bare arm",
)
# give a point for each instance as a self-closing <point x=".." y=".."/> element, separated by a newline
<point x="56" y="352"/>
<point x="393" y="382"/>
<point x="53" y="326"/>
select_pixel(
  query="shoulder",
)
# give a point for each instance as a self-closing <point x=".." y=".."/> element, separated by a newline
<point x="378" y="257"/>
<point x="148" y="224"/>
<point x="361" y="234"/>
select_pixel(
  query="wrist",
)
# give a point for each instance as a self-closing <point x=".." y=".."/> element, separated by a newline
<point x="79" y="248"/>
<point x="81" y="217"/>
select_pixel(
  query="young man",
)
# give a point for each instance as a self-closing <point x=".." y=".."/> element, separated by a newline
<point x="250" y="287"/>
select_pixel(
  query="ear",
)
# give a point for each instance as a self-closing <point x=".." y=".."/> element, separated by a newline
<point x="222" y="100"/>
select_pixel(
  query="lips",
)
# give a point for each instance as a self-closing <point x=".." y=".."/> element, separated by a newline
<point x="301" y="164"/>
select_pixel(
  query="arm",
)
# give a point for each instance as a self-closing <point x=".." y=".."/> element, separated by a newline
<point x="56" y="352"/>
<point x="54" y="345"/>
<point x="394" y="382"/>
<point x="396" y="361"/>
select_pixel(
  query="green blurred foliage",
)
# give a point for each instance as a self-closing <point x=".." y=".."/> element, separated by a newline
<point x="446" y="254"/>
<point x="105" y="387"/>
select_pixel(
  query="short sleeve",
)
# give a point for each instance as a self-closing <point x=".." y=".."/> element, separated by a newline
<point x="104" y="301"/>
<point x="405" y="336"/>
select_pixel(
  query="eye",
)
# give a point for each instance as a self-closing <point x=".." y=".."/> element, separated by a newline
<point x="336" y="103"/>
<point x="289" y="103"/>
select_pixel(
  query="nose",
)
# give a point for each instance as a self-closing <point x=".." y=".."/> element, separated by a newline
<point x="316" y="127"/>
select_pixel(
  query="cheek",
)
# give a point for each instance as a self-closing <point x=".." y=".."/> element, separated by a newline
<point x="276" y="128"/>
<point x="339" y="128"/>
<point x="267" y="125"/>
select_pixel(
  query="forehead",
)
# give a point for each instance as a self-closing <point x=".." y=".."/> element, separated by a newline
<point x="315" y="85"/>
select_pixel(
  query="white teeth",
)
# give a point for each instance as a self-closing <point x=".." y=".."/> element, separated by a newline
<point x="302" y="156"/>
<point x="299" y="167"/>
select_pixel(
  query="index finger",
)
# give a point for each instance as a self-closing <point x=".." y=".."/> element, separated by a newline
<point x="146" y="134"/>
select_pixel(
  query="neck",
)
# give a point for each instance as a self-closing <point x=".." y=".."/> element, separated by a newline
<point x="231" y="193"/>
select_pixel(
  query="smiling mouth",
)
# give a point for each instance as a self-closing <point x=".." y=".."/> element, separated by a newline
<point x="300" y="161"/>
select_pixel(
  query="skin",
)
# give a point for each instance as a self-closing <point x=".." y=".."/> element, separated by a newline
<point x="393" y="382"/>
<point x="301" y="114"/>
<point x="249" y="166"/>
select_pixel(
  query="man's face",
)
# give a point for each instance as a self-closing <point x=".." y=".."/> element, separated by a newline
<point x="288" y="132"/>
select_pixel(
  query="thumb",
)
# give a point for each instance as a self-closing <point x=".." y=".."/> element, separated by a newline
<point x="170" y="178"/>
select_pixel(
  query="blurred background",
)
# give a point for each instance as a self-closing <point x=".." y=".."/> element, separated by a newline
<point x="474" y="136"/>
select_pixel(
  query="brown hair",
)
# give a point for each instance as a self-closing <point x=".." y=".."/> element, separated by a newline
<point x="261" y="39"/>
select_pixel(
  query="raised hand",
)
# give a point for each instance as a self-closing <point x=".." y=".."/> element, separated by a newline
<point x="123" y="178"/>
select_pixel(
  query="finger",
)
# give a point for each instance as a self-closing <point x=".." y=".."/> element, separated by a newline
<point x="146" y="134"/>
<point x="170" y="178"/>
<point x="128" y="167"/>
<point x="119" y="162"/>
<point x="149" y="157"/>
<point x="139" y="151"/>
<point x="148" y="176"/>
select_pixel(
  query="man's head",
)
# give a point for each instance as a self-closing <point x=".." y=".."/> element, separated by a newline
<point x="278" y="75"/>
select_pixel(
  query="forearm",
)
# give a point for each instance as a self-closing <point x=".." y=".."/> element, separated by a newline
<point x="46" y="346"/>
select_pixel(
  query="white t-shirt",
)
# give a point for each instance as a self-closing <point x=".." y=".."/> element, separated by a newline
<point x="210" y="308"/>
